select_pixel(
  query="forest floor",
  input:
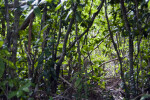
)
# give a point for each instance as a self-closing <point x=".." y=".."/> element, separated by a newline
<point x="112" y="91"/>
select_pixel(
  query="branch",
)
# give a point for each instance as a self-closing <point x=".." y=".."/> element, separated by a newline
<point x="125" y="16"/>
<point x="111" y="61"/>
<point x="59" y="34"/>
<point x="66" y="38"/>
<point x="27" y="21"/>
<point x="116" y="49"/>
<point x="98" y="45"/>
<point x="90" y="24"/>
<point x="100" y="42"/>
<point x="66" y="81"/>
<point x="21" y="3"/>
<point x="28" y="56"/>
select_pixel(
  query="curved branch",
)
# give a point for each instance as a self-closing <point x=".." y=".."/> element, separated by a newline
<point x="90" y="24"/>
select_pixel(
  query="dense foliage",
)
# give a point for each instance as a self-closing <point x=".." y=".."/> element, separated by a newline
<point x="74" y="49"/>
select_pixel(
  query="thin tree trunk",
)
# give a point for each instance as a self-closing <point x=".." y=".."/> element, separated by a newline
<point x="3" y="26"/>
<point x="15" y="34"/>
<point x="29" y="49"/>
<point x="119" y="58"/>
<point x="61" y="58"/>
<point x="132" y="80"/>
<point x="78" y="47"/>
<point x="8" y="28"/>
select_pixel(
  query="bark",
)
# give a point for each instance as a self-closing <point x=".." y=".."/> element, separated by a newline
<point x="3" y="26"/>
<point x="27" y="21"/>
<point x="29" y="48"/>
<point x="15" y="34"/>
<point x="132" y="80"/>
<point x="43" y="21"/>
<point x="78" y="47"/>
<point x="61" y="57"/>
<point x="65" y="41"/>
<point x="59" y="34"/>
<point x="59" y="63"/>
<point x="8" y="28"/>
<point x="116" y="49"/>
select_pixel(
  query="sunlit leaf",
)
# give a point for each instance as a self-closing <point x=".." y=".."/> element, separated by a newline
<point x="1" y="43"/>
<point x="43" y="1"/>
<point x="58" y="7"/>
<point x="68" y="14"/>
<point x="49" y="1"/>
<point x="44" y="28"/>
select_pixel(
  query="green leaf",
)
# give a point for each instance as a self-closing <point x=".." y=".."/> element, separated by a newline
<point x="78" y="17"/>
<point x="50" y="98"/>
<point x="77" y="82"/>
<point x="11" y="83"/>
<point x="29" y="2"/>
<point x="58" y="7"/>
<point x="44" y="28"/>
<point x="12" y="94"/>
<point x="27" y="85"/>
<point x="44" y="2"/>
<point x="49" y="1"/>
<point x="2" y="67"/>
<point x="145" y="96"/>
<point x="26" y="89"/>
<point x="68" y="14"/>
<point x="19" y="93"/>
<point x="37" y="12"/>
<point x="1" y="43"/>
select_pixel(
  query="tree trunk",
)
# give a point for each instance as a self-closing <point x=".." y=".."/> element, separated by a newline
<point x="8" y="37"/>
<point x="132" y="80"/>
<point x="30" y="73"/>
<point x="119" y="58"/>
<point x="15" y="34"/>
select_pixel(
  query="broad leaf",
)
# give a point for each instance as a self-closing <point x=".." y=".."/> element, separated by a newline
<point x="37" y="12"/>
<point x="77" y="82"/>
<point x="58" y="7"/>
<point x="68" y="14"/>
<point x="12" y="94"/>
<point x="144" y="97"/>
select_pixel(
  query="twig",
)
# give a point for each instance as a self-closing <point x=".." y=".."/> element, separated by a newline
<point x="66" y="81"/>
<point x="111" y="60"/>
